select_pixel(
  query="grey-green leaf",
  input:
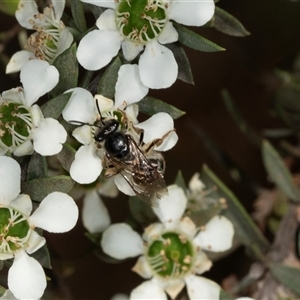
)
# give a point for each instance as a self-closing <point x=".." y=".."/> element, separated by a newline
<point x="54" y="107"/>
<point x="245" y="229"/>
<point x="37" y="166"/>
<point x="39" y="188"/>
<point x="288" y="276"/>
<point x="151" y="106"/>
<point x="225" y="296"/>
<point x="67" y="66"/>
<point x="278" y="171"/>
<point x="226" y="23"/>
<point x="196" y="41"/>
<point x="109" y="79"/>
<point x="78" y="15"/>
<point x="43" y="257"/>
<point x="66" y="156"/>
<point x="184" y="69"/>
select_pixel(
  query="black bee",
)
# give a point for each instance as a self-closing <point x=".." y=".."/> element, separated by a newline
<point x="126" y="154"/>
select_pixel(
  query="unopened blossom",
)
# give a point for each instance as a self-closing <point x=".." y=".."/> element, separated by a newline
<point x="141" y="26"/>
<point x="50" y="39"/>
<point x="56" y="213"/>
<point x="82" y="109"/>
<point x="171" y="253"/>
<point x="23" y="128"/>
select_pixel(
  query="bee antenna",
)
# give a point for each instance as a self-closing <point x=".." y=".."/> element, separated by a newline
<point x="99" y="111"/>
<point x="79" y="123"/>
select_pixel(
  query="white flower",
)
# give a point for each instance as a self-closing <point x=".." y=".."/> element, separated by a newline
<point x="171" y="251"/>
<point x="81" y="107"/>
<point x="50" y="39"/>
<point x="95" y="216"/>
<point x="23" y="127"/>
<point x="137" y="25"/>
<point x="56" y="213"/>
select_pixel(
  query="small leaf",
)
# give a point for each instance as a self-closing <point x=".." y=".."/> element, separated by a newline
<point x="109" y="79"/>
<point x="2" y="291"/>
<point x="184" y="69"/>
<point x="54" y="107"/>
<point x="278" y="171"/>
<point x="66" y="156"/>
<point x="78" y="15"/>
<point x="96" y="10"/>
<point x="245" y="229"/>
<point x="225" y="296"/>
<point x="288" y="276"/>
<point x="196" y="41"/>
<point x="239" y="119"/>
<point x="179" y="180"/>
<point x="37" y="166"/>
<point x="67" y="66"/>
<point x="43" y="257"/>
<point x="151" y="106"/>
<point x="39" y="188"/>
<point x="226" y="23"/>
<point x="141" y="211"/>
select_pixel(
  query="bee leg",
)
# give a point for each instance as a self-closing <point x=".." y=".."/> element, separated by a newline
<point x="111" y="171"/>
<point x="157" y="142"/>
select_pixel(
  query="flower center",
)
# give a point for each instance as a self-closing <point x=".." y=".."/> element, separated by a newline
<point x="14" y="230"/>
<point x="141" y="20"/>
<point x="44" y="42"/>
<point x="171" y="256"/>
<point x="15" y="124"/>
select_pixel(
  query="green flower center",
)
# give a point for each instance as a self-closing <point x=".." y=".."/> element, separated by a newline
<point x="15" y="124"/>
<point x="171" y="256"/>
<point x="14" y="230"/>
<point x="141" y="20"/>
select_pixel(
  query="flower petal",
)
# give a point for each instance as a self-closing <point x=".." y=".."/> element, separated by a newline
<point x="58" y="7"/>
<point x="217" y="235"/>
<point x="101" y="46"/>
<point x="168" y="35"/>
<point x="107" y="20"/>
<point x="156" y="126"/>
<point x="35" y="242"/>
<point x="142" y="268"/>
<point x="84" y="135"/>
<point x="192" y="13"/>
<point x="24" y="149"/>
<point x="25" y="12"/>
<point x="131" y="50"/>
<point x="172" y="206"/>
<point x="102" y="3"/>
<point x="38" y="78"/>
<point x="188" y="227"/>
<point x="158" y="67"/>
<point x="202" y="263"/>
<point x="108" y="188"/>
<point x="123" y="185"/>
<point x="10" y="183"/>
<point x="49" y="137"/>
<point x="201" y="288"/>
<point x="80" y="107"/>
<point x="148" y="290"/>
<point x="129" y="87"/>
<point x="26" y="277"/>
<point x="95" y="216"/>
<point x="119" y="297"/>
<point x="169" y="141"/>
<point x="174" y="287"/>
<point x="120" y="241"/>
<point x="87" y="166"/>
<point x="64" y="42"/>
<point x="23" y="204"/>
<point x="18" y="60"/>
<point x="56" y="213"/>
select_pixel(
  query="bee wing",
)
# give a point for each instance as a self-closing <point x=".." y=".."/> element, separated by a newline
<point x="141" y="175"/>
